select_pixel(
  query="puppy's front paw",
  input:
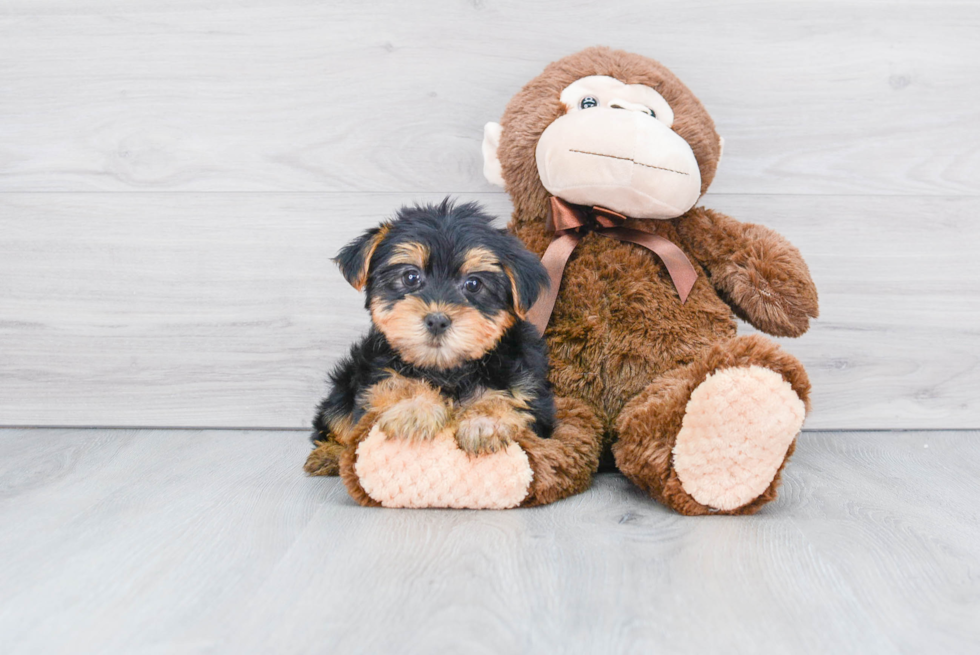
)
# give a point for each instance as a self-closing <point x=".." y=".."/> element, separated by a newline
<point x="414" y="418"/>
<point x="479" y="434"/>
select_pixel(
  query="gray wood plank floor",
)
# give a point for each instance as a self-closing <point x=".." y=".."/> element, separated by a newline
<point x="127" y="541"/>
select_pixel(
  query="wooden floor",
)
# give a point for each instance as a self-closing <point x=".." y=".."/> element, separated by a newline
<point x="184" y="541"/>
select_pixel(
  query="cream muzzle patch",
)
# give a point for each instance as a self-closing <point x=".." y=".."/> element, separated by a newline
<point x="615" y="148"/>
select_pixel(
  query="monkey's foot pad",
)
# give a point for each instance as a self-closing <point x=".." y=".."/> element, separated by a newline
<point x="436" y="473"/>
<point x="737" y="428"/>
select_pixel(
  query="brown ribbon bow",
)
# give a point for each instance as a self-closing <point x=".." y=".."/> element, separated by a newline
<point x="572" y="222"/>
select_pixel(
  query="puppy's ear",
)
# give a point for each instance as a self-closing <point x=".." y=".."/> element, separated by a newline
<point x="527" y="278"/>
<point x="354" y="259"/>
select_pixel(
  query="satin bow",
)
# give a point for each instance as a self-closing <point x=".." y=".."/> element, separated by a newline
<point x="572" y="222"/>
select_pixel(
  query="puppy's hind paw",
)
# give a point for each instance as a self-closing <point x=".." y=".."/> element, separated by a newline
<point x="325" y="459"/>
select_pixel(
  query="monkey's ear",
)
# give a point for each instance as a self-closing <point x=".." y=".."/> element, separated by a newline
<point x="354" y="259"/>
<point x="491" y="164"/>
<point x="528" y="279"/>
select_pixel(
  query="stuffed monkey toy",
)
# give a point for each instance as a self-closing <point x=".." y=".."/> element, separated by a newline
<point x="605" y="155"/>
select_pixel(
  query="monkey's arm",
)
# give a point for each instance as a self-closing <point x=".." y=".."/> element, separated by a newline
<point x="760" y="274"/>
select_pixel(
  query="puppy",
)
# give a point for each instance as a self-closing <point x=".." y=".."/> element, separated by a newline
<point x="448" y="346"/>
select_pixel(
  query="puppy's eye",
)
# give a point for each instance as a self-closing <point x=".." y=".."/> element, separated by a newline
<point x="472" y="284"/>
<point x="411" y="278"/>
<point x="588" y="102"/>
<point x="652" y="113"/>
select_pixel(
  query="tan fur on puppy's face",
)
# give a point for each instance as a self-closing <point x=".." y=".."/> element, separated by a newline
<point x="361" y="279"/>
<point x="481" y="259"/>
<point x="410" y="252"/>
<point x="469" y="337"/>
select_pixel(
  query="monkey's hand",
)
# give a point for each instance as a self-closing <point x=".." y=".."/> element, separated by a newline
<point x="408" y="409"/>
<point x="760" y="274"/>
<point x="769" y="285"/>
<point x="490" y="421"/>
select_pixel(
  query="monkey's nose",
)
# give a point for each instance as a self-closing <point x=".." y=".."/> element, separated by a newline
<point x="616" y="103"/>
<point x="437" y="323"/>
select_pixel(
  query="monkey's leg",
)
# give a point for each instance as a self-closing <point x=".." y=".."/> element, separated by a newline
<point x="564" y="464"/>
<point x="713" y="436"/>
<point x="437" y="473"/>
<point x="400" y="406"/>
<point x="405" y="409"/>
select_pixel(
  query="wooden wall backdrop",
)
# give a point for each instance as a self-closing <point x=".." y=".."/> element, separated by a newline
<point x="175" y="174"/>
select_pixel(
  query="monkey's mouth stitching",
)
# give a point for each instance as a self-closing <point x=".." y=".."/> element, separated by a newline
<point x="596" y="154"/>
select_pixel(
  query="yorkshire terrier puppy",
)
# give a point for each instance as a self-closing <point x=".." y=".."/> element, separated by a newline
<point x="448" y="346"/>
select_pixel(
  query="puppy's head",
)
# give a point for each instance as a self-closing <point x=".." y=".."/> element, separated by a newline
<point x="443" y="285"/>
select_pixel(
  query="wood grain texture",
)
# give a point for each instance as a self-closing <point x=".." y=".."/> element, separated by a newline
<point x="175" y="175"/>
<point x="205" y="542"/>
<point x="224" y="310"/>
<point x="816" y="96"/>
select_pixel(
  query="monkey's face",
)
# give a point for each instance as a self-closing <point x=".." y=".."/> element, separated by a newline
<point x="443" y="285"/>
<point x="614" y="148"/>
<point x="603" y="127"/>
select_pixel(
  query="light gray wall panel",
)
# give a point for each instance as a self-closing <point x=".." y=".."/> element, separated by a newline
<point x="224" y="309"/>
<point x="812" y="96"/>
<point x="174" y="176"/>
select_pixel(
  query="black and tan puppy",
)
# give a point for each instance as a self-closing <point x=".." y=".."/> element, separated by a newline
<point x="448" y="346"/>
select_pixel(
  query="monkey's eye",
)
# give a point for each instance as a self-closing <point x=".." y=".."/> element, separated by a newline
<point x="473" y="284"/>
<point x="588" y="102"/>
<point x="411" y="278"/>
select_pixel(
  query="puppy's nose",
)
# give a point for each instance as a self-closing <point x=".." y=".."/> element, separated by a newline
<point x="437" y="323"/>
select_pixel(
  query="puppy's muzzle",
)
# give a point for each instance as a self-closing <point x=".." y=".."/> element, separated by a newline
<point x="437" y="323"/>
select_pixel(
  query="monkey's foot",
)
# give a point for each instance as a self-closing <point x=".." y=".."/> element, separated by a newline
<point x="737" y="428"/>
<point x="436" y="473"/>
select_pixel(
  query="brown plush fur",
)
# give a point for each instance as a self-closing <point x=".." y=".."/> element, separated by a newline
<point x="620" y="339"/>
<point x="649" y="424"/>
<point x="564" y="464"/>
